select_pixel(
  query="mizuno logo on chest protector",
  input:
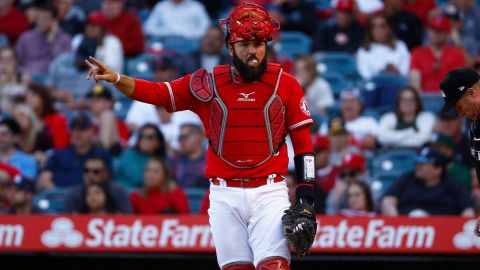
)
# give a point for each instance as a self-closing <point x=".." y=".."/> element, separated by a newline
<point x="246" y="97"/>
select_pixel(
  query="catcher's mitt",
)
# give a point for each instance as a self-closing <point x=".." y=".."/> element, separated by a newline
<point x="300" y="227"/>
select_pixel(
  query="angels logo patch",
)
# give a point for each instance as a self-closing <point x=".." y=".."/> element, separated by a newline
<point x="304" y="106"/>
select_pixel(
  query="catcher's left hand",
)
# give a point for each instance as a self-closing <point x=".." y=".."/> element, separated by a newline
<point x="300" y="227"/>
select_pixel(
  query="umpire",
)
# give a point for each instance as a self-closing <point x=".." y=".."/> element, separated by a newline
<point x="461" y="90"/>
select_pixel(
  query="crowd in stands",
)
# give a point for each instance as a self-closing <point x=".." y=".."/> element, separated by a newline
<point x="370" y="71"/>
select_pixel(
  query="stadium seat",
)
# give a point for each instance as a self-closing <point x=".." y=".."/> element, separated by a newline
<point x="340" y="62"/>
<point x="292" y="44"/>
<point x="380" y="182"/>
<point x="51" y="201"/>
<point x="382" y="90"/>
<point x="395" y="161"/>
<point x="337" y="82"/>
<point x="121" y="107"/>
<point x="178" y="44"/>
<point x="139" y="67"/>
<point x="195" y="197"/>
<point x="432" y="102"/>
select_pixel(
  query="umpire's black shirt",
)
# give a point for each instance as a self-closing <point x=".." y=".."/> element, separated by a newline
<point x="475" y="145"/>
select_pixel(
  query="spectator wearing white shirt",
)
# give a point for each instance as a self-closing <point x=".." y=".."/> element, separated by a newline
<point x="364" y="129"/>
<point x="186" y="18"/>
<point x="408" y="126"/>
<point x="317" y="90"/>
<point x="165" y="68"/>
<point x="381" y="50"/>
<point x="109" y="48"/>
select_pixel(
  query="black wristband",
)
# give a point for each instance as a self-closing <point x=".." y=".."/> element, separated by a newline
<point x="305" y="192"/>
<point x="305" y="167"/>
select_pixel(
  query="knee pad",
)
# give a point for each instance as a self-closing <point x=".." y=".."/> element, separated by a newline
<point x="276" y="263"/>
<point x="239" y="266"/>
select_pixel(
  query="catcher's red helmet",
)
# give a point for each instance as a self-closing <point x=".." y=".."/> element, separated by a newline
<point x="249" y="22"/>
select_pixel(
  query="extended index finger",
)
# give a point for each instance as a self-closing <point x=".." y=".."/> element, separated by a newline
<point x="97" y="62"/>
<point x="90" y="65"/>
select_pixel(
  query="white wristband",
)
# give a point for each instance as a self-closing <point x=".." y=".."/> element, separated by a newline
<point x="118" y="78"/>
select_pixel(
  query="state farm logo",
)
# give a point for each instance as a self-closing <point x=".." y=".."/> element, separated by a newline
<point x="62" y="233"/>
<point x="246" y="97"/>
<point x="467" y="238"/>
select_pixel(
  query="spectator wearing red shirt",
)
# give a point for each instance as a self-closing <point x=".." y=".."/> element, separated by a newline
<point x="430" y="63"/>
<point x="40" y="99"/>
<point x="12" y="21"/>
<point x="159" y="194"/>
<point x="124" y="26"/>
<point x="421" y="8"/>
<point x="327" y="172"/>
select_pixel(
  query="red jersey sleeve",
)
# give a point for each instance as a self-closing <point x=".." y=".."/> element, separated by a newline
<point x="297" y="113"/>
<point x="174" y="96"/>
<point x="414" y="64"/>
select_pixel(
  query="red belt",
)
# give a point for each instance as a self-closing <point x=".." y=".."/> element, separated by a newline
<point x="247" y="182"/>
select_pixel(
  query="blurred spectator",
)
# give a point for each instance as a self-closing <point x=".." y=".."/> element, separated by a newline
<point x="188" y="165"/>
<point x="21" y="196"/>
<point x="339" y="140"/>
<point x="40" y="100"/>
<point x="71" y="18"/>
<point x="421" y="8"/>
<point x="453" y="14"/>
<point x="406" y="25"/>
<point x="187" y="18"/>
<point x="430" y="63"/>
<point x="295" y="15"/>
<point x="343" y="34"/>
<point x="65" y="167"/>
<point x="12" y="21"/>
<point x="450" y="124"/>
<point x="7" y="174"/>
<point x="327" y="172"/>
<point x="427" y="191"/>
<point x="353" y="170"/>
<point x="98" y="200"/>
<point x="275" y="56"/>
<point x="381" y="52"/>
<point x="124" y="26"/>
<point x="110" y="132"/>
<point x="141" y="113"/>
<point x="96" y="171"/>
<point x="68" y="71"/>
<point x="317" y="90"/>
<point x="89" y="5"/>
<point x="210" y="54"/>
<point x="36" y="48"/>
<point x="166" y="68"/>
<point x="159" y="193"/>
<point x="455" y="170"/>
<point x="34" y="137"/>
<point x="131" y="165"/>
<point x="364" y="129"/>
<point x="409" y="125"/>
<point x="109" y="49"/>
<point x="470" y="31"/>
<point x="359" y="201"/>
<point x="10" y="154"/>
<point x="12" y="83"/>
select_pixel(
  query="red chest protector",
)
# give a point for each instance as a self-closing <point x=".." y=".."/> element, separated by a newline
<point x="247" y="120"/>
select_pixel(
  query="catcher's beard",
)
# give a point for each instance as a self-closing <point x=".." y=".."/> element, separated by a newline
<point x="249" y="74"/>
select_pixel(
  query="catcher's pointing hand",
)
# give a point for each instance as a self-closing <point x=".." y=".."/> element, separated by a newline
<point x="100" y="71"/>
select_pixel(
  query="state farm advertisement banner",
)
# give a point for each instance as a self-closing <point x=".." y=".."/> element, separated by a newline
<point x="192" y="234"/>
